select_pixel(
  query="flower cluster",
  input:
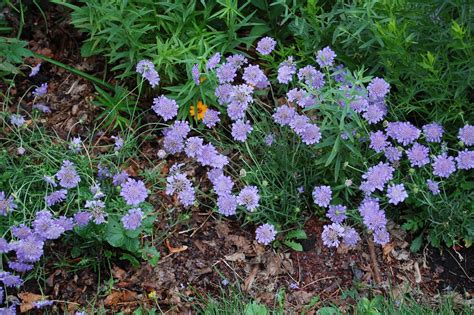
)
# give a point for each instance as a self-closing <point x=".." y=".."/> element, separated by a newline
<point x="147" y="69"/>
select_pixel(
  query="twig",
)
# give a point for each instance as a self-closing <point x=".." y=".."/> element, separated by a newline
<point x="317" y="280"/>
<point x="375" y="266"/>
<point x="463" y="270"/>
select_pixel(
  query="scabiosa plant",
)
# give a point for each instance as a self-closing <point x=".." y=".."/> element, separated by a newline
<point x="350" y="236"/>
<point x="193" y="146"/>
<point x="392" y="153"/>
<point x="195" y="74"/>
<point x="241" y="129"/>
<point x="299" y="123"/>
<point x="119" y="142"/>
<point x="6" y="204"/>
<point x="147" y="69"/>
<point x="120" y="178"/>
<point x="337" y="213"/>
<point x="133" y="219"/>
<point x="96" y="208"/>
<point x="311" y="77"/>
<point x="249" y="197"/>
<point x="378" y="88"/>
<point x="325" y="57"/>
<point x="56" y="197"/>
<point x="178" y="183"/>
<point x="376" y="177"/>
<point x="76" y="144"/>
<point x="322" y="196"/>
<point x="396" y="193"/>
<point x="42" y="107"/>
<point x="134" y="192"/>
<point x="223" y="185"/>
<point x="433" y="186"/>
<point x="253" y="75"/>
<point x="443" y="165"/>
<point x="17" y="120"/>
<point x="418" y="155"/>
<point x="378" y="141"/>
<point x="465" y="160"/>
<point x="332" y="235"/>
<point x="265" y="233"/>
<point x="164" y="107"/>
<point x="239" y="99"/>
<point x="311" y="134"/>
<point x="227" y="204"/>
<point x="226" y="73"/>
<point x="373" y="217"/>
<point x="67" y="175"/>
<point x="374" y="113"/>
<point x="284" y="115"/>
<point x="466" y="135"/>
<point x="211" y="118"/>
<point x="286" y="70"/>
<point x="82" y="218"/>
<point x="35" y="70"/>
<point x="213" y="61"/>
<point x="41" y="90"/>
<point x="433" y="132"/>
<point x="266" y="45"/>
<point x="403" y="132"/>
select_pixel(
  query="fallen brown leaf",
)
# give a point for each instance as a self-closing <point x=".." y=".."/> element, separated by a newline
<point x="174" y="250"/>
<point x="235" y="257"/>
<point x="28" y="299"/>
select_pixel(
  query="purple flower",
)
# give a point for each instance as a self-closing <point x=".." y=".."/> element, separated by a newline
<point x="311" y="77"/>
<point x="118" y="143"/>
<point x="378" y="141"/>
<point x="19" y="266"/>
<point x="43" y="303"/>
<point x="134" y="192"/>
<point x="67" y="175"/>
<point x="42" y="107"/>
<point x="381" y="236"/>
<point x="302" y="97"/>
<point x="227" y="204"/>
<point x="120" y="178"/>
<point x="41" y="90"/>
<point x="223" y="185"/>
<point x="211" y="118"/>
<point x="418" y="155"/>
<point x="311" y="134"/>
<point x="213" y="61"/>
<point x="223" y="92"/>
<point x="17" y="120"/>
<point x="433" y="186"/>
<point x="286" y="70"/>
<point x="76" y="144"/>
<point x="465" y="160"/>
<point x="376" y="177"/>
<point x="103" y="171"/>
<point x="443" y="165"/>
<point x="241" y="129"/>
<point x="187" y="197"/>
<point x="96" y="207"/>
<point x="325" y="57"/>
<point x="433" y="132"/>
<point x="237" y="60"/>
<point x="373" y="217"/>
<point x="360" y="104"/>
<point x="173" y="144"/>
<point x="6" y="204"/>
<point x="56" y="197"/>
<point x="35" y="70"/>
<point x="147" y="69"/>
<point x="331" y="235"/>
<point x="240" y="97"/>
<point x="207" y="154"/>
<point x="195" y="74"/>
<point x="392" y="153"/>
<point x="350" y="236"/>
<point x="66" y="223"/>
<point x="340" y="73"/>
<point x="164" y="107"/>
<point x="299" y="123"/>
<point x="375" y="113"/>
<point x="45" y="227"/>
<point x="404" y="132"/>
<point x="269" y="139"/>
<point x="133" y="219"/>
<point x="82" y="218"/>
<point x="249" y="198"/>
<point x="265" y="233"/>
<point x="266" y="45"/>
<point x="378" y="88"/>
<point x="10" y="280"/>
<point x="284" y="115"/>
<point x="193" y="146"/>
<point x="226" y="73"/>
<point x="21" y="231"/>
<point x="337" y="213"/>
<point x="176" y="183"/>
<point x="396" y="194"/>
<point x="4" y="246"/>
<point x="29" y="249"/>
<point x="322" y="196"/>
<point x="466" y="134"/>
<point x="253" y="75"/>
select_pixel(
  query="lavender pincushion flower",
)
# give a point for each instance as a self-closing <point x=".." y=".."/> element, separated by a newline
<point x="19" y="266"/>
<point x="239" y="99"/>
<point x="134" y="192"/>
<point x="6" y="204"/>
<point x="17" y="120"/>
<point x="378" y="141"/>
<point x="381" y="236"/>
<point x="373" y="217"/>
<point x="465" y="160"/>
<point x="404" y="132"/>
<point x="433" y="132"/>
<point x="359" y="104"/>
<point x="223" y="92"/>
<point x="325" y="57"/>
<point x="133" y="219"/>
<point x="418" y="155"/>
<point x="331" y="235"/>
<point x="375" y="113"/>
<point x="253" y="75"/>
<point x="322" y="196"/>
<point x="119" y="142"/>
<point x="284" y="115"/>
<point x="392" y="153"/>
<point x="443" y="165"/>
<point x="269" y="139"/>
<point x="337" y="213"/>
<point x="376" y="177"/>
<point x="147" y="69"/>
<point x="237" y="60"/>
<point x="378" y="88"/>
<point x="21" y="232"/>
<point x="265" y="233"/>
<point x="45" y="227"/>
<point x="120" y="178"/>
<point x="227" y="204"/>
<point x="223" y="185"/>
<point x="82" y="218"/>
<point x="10" y="280"/>
<point x="213" y="61"/>
<point x="311" y="134"/>
<point x="466" y="135"/>
<point x="41" y="90"/>
<point x="193" y="146"/>
<point x="42" y="107"/>
<point x="396" y="193"/>
<point x="433" y="186"/>
<point x="350" y="236"/>
<point x="226" y="73"/>
<point x="67" y="175"/>
<point x="249" y="198"/>
<point x="56" y="197"/>
<point x="266" y="45"/>
<point x="76" y="144"/>
<point x="195" y="74"/>
<point x="96" y="208"/>
<point x="35" y="70"/>
<point x="311" y="77"/>
<point x="211" y="118"/>
<point x="164" y="107"/>
<point x="286" y="70"/>
<point x="43" y="303"/>
<point x="241" y="129"/>
<point x="29" y="249"/>
<point x="298" y="123"/>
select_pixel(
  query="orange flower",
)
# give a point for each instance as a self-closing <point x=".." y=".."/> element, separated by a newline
<point x="201" y="109"/>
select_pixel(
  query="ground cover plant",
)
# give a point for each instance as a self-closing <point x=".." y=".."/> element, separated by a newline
<point x="300" y="152"/>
